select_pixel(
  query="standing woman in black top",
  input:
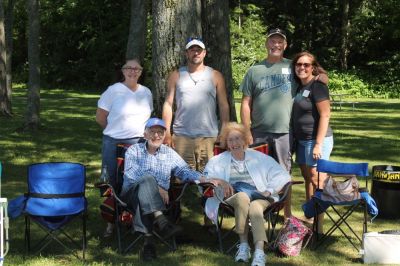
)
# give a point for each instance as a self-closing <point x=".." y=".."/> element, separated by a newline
<point x="311" y="113"/>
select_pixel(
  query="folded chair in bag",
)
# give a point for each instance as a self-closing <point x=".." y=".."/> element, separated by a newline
<point x="123" y="224"/>
<point x="56" y="195"/>
<point x="337" y="206"/>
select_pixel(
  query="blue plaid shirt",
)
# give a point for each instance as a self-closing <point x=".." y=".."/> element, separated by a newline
<point x="161" y="165"/>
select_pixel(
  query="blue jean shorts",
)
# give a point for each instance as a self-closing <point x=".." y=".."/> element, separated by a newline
<point x="304" y="151"/>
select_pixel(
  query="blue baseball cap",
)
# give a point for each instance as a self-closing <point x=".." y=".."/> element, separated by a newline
<point x="155" y="122"/>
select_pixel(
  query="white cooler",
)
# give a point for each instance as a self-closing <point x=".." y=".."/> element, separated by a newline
<point x="381" y="248"/>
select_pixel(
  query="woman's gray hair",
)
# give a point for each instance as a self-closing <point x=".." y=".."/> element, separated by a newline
<point x="233" y="126"/>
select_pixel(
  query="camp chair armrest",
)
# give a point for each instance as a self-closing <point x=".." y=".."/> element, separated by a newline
<point x="123" y="204"/>
<point x="114" y="194"/>
<point x="100" y="185"/>
<point x="205" y="185"/>
<point x="184" y="186"/>
<point x="297" y="182"/>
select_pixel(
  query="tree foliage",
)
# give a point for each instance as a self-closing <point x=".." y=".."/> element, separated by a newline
<point x="247" y="38"/>
<point x="83" y="40"/>
<point x="372" y="30"/>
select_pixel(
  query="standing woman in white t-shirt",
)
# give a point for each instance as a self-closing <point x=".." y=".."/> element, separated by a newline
<point x="122" y="112"/>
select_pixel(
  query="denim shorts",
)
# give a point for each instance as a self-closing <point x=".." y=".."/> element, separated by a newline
<point x="304" y="151"/>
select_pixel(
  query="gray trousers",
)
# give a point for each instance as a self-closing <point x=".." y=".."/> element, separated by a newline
<point x="144" y="199"/>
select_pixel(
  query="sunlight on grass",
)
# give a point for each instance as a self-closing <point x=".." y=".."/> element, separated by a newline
<point x="69" y="133"/>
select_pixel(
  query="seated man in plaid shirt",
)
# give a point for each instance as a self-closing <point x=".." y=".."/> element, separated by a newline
<point x="148" y="168"/>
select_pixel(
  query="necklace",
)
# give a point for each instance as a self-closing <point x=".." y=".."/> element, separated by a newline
<point x="194" y="81"/>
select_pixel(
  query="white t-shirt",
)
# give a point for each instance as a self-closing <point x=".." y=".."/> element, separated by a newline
<point x="127" y="110"/>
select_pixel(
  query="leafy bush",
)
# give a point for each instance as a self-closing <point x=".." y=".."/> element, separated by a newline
<point x="359" y="84"/>
<point x="348" y="83"/>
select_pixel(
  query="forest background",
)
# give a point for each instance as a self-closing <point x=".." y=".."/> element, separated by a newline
<point x="83" y="43"/>
<point x="57" y="57"/>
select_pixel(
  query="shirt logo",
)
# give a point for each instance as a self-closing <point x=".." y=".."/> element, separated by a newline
<point x="281" y="81"/>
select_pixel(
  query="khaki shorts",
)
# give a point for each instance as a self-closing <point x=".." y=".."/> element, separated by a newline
<point x="195" y="151"/>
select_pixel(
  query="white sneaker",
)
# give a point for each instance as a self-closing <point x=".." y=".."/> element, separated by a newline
<point x="243" y="253"/>
<point x="258" y="258"/>
<point x="109" y="230"/>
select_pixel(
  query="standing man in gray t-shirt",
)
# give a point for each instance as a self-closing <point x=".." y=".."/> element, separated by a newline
<point x="196" y="88"/>
<point x="268" y="97"/>
<point x="268" y="92"/>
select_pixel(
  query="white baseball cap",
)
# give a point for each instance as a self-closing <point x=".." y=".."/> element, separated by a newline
<point x="195" y="41"/>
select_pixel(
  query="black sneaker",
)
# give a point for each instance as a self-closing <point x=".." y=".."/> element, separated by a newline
<point x="169" y="230"/>
<point x="148" y="252"/>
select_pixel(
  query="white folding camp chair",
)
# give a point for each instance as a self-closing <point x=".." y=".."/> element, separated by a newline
<point x="4" y="225"/>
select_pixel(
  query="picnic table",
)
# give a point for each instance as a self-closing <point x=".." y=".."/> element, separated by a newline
<point x="338" y="99"/>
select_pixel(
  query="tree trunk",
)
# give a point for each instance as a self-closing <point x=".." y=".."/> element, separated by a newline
<point x="173" y="22"/>
<point x="136" y="47"/>
<point x="344" y="49"/>
<point x="9" y="25"/>
<point x="32" y="117"/>
<point x="5" y="102"/>
<point x="216" y="33"/>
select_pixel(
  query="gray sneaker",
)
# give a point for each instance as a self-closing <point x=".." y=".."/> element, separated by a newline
<point x="243" y="253"/>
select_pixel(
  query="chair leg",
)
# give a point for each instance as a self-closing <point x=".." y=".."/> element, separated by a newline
<point x="337" y="225"/>
<point x="118" y="229"/>
<point x="365" y="229"/>
<point x="272" y="221"/>
<point x="27" y="235"/>
<point x="219" y="236"/>
<point x="84" y="240"/>
<point x="219" y="233"/>
<point x="132" y="244"/>
<point x="174" y="246"/>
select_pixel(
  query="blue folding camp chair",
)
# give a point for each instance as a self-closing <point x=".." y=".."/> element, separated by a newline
<point x="56" y="195"/>
<point x="344" y="209"/>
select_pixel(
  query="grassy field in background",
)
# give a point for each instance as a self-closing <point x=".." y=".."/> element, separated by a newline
<point x="370" y="134"/>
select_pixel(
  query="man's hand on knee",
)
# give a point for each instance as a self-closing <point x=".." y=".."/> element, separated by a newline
<point x="164" y="195"/>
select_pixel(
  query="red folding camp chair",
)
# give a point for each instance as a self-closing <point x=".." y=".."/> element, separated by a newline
<point x="271" y="214"/>
<point x="122" y="216"/>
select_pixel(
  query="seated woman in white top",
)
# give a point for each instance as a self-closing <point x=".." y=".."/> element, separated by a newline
<point x="251" y="181"/>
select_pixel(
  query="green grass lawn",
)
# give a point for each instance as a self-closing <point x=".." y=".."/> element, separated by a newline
<point x="69" y="133"/>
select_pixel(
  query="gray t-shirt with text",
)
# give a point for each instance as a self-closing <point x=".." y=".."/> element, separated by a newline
<point x="272" y="89"/>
